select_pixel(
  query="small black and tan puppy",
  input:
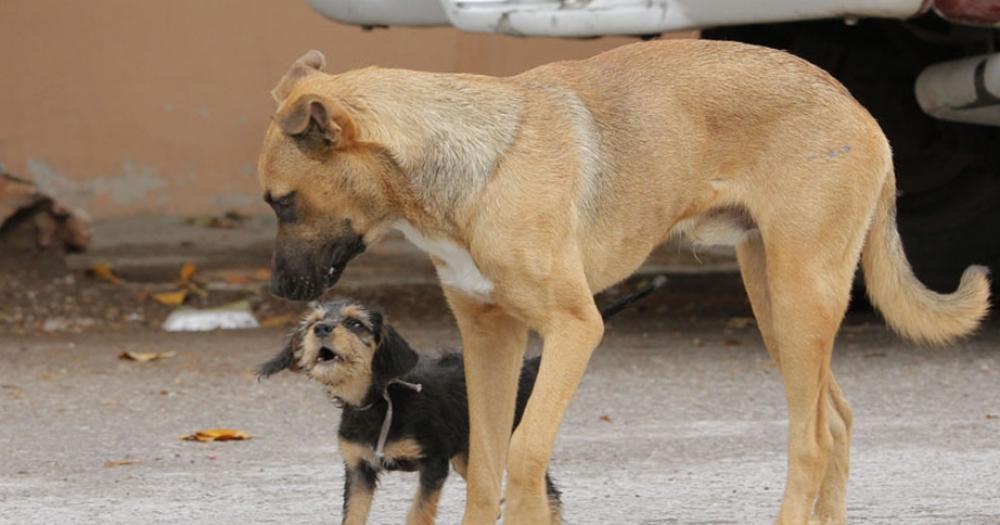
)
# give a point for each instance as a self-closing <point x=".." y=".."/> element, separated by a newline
<point x="400" y="411"/>
<point x="359" y="358"/>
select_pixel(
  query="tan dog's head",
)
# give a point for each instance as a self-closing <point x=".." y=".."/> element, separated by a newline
<point x="346" y="347"/>
<point x="327" y="187"/>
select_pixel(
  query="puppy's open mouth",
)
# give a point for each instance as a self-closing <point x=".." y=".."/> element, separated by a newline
<point x="327" y="355"/>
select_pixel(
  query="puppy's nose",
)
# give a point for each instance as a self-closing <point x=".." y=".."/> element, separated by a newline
<point x="323" y="330"/>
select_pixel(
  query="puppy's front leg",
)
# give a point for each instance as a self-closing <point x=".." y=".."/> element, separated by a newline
<point x="494" y="344"/>
<point x="432" y="477"/>
<point x="359" y="490"/>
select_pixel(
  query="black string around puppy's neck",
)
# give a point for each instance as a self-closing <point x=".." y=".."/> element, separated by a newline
<point x="383" y="433"/>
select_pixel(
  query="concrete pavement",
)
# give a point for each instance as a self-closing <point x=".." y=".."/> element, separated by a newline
<point x="694" y="430"/>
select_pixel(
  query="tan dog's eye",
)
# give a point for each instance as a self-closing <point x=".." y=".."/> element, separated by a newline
<point x="284" y="206"/>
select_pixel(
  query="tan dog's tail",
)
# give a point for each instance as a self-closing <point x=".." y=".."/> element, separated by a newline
<point x="909" y="307"/>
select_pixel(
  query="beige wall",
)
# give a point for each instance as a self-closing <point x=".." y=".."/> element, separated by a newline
<point x="129" y="106"/>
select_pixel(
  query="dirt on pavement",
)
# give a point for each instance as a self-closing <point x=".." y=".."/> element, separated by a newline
<point x="112" y="286"/>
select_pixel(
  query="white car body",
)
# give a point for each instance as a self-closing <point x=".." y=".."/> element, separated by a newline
<point x="587" y="18"/>
<point x="963" y="91"/>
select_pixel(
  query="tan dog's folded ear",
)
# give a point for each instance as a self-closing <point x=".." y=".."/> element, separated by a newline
<point x="316" y="121"/>
<point x="307" y="64"/>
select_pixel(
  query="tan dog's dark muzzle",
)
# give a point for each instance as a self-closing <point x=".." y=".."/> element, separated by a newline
<point x="304" y="274"/>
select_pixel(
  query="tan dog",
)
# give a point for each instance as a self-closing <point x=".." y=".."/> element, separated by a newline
<point x="533" y="192"/>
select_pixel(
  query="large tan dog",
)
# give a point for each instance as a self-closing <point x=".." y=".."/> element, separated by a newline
<point x="533" y="192"/>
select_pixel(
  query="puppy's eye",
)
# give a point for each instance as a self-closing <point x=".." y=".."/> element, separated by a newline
<point x="355" y="325"/>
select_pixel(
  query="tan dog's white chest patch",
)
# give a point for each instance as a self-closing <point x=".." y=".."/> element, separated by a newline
<point x="455" y="267"/>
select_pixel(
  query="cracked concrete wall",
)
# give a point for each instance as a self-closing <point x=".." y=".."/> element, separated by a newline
<point x="124" y="107"/>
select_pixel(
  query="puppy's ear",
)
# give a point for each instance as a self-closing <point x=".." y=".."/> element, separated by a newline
<point x="311" y="62"/>
<point x="376" y="319"/>
<point x="393" y="357"/>
<point x="284" y="360"/>
<point x="316" y="122"/>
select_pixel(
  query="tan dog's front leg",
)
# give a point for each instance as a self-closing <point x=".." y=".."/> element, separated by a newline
<point x="571" y="335"/>
<point x="494" y="344"/>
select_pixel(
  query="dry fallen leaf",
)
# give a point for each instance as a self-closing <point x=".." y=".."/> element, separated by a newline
<point x="277" y="321"/>
<point x="145" y="357"/>
<point x="171" y="298"/>
<point x="217" y="434"/>
<point x="606" y="418"/>
<point x="102" y="271"/>
<point x="236" y="279"/>
<point x="121" y="463"/>
<point x="192" y="287"/>
<point x="187" y="272"/>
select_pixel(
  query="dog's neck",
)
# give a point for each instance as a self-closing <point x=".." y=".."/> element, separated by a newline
<point x="366" y="403"/>
<point x="374" y="401"/>
<point x="445" y="155"/>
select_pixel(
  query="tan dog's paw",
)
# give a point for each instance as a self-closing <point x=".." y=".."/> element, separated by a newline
<point x="816" y="520"/>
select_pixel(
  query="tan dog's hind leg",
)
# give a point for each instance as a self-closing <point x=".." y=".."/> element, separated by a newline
<point x="830" y="503"/>
<point x="572" y="331"/>
<point x="493" y="346"/>
<point x="805" y="324"/>
<point x="753" y="269"/>
<point x="809" y="289"/>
